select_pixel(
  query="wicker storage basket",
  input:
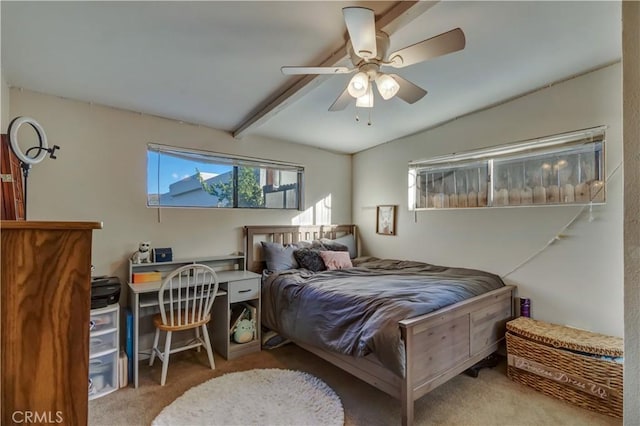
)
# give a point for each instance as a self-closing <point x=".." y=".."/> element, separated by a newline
<point x="565" y="363"/>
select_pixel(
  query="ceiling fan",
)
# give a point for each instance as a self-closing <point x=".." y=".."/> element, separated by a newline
<point x="367" y="49"/>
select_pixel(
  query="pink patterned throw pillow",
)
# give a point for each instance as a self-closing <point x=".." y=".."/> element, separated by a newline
<point x="336" y="259"/>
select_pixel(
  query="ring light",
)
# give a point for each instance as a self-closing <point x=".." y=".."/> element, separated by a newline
<point x="25" y="160"/>
<point x="15" y="147"/>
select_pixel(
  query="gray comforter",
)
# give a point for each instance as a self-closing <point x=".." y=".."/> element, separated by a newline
<point x="356" y="311"/>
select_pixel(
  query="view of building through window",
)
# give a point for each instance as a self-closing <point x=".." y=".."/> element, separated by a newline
<point x="185" y="178"/>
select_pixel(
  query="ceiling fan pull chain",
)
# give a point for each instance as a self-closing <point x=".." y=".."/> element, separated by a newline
<point x="369" y="122"/>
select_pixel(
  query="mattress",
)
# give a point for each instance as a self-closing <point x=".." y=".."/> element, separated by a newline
<point x="355" y="311"/>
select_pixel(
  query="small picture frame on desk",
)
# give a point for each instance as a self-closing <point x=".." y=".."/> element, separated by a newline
<point x="386" y="220"/>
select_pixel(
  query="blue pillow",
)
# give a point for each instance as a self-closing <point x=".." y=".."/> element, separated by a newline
<point x="346" y="240"/>
<point x="279" y="257"/>
<point x="332" y="245"/>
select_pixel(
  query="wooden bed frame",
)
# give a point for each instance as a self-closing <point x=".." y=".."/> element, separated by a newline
<point x="438" y="345"/>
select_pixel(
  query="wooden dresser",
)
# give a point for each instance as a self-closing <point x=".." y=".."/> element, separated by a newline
<point x="45" y="304"/>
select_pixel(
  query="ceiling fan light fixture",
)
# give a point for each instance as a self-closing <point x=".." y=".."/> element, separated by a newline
<point x="358" y="85"/>
<point x="367" y="47"/>
<point x="366" y="100"/>
<point x="387" y="86"/>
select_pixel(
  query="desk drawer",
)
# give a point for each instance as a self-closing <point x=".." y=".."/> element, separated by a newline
<point x="243" y="290"/>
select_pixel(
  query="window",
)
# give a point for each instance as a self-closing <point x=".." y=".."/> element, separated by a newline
<point x="556" y="170"/>
<point x="178" y="177"/>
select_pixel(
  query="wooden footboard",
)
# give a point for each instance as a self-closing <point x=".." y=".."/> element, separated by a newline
<point x="438" y="347"/>
<point x="443" y="344"/>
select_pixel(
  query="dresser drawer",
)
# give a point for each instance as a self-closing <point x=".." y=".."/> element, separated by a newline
<point x="243" y="290"/>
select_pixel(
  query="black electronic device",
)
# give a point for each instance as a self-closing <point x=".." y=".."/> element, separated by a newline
<point x="162" y="254"/>
<point x="104" y="291"/>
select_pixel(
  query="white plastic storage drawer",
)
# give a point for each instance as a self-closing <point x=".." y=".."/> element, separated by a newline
<point x="103" y="374"/>
<point x="102" y="342"/>
<point x="103" y="319"/>
<point x="243" y="290"/>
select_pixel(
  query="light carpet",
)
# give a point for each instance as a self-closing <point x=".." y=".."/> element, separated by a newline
<point x="256" y="397"/>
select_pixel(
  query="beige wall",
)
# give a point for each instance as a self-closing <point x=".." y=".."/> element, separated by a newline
<point x="4" y="105"/>
<point x="577" y="281"/>
<point x="100" y="175"/>
<point x="631" y="105"/>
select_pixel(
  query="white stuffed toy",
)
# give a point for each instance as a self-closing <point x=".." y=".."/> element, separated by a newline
<point x="143" y="255"/>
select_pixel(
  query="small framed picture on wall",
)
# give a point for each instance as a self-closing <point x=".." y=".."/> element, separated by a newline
<point x="386" y="223"/>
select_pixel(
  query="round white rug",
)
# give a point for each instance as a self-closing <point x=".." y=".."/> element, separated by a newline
<point x="256" y="397"/>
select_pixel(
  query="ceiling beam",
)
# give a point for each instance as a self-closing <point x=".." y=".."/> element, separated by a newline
<point x="399" y="15"/>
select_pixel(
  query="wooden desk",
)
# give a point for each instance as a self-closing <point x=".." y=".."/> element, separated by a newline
<point x="144" y="295"/>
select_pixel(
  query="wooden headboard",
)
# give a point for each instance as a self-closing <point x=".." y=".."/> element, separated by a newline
<point x="287" y="234"/>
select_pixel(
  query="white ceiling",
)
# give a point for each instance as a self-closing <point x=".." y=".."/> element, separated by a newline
<point x="217" y="63"/>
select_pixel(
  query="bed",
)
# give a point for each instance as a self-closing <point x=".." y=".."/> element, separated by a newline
<point x="433" y="347"/>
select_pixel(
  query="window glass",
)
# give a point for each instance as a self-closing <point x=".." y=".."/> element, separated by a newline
<point x="186" y="178"/>
<point x="561" y="176"/>
<point x="554" y="170"/>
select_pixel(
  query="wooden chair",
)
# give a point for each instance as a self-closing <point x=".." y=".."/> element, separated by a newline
<point x="186" y="298"/>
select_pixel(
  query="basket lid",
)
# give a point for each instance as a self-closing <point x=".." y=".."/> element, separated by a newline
<point x="560" y="336"/>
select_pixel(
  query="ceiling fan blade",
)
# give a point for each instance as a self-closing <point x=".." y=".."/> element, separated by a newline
<point x="361" y="25"/>
<point x="341" y="102"/>
<point x="448" y="42"/>
<point x="315" y="70"/>
<point x="409" y="92"/>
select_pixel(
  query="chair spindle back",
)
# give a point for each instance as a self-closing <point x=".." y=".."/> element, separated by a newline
<point x="187" y="294"/>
